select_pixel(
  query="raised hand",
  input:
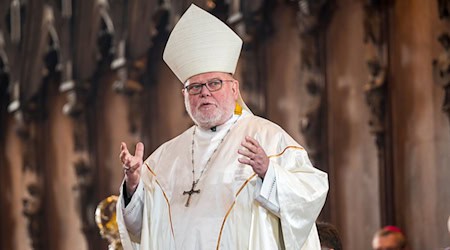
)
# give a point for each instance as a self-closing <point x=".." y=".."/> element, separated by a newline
<point x="131" y="165"/>
<point x="255" y="156"/>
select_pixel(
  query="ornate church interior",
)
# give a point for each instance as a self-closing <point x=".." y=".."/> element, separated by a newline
<point x="363" y="85"/>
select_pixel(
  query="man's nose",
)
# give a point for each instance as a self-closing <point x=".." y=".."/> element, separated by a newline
<point x="205" y="91"/>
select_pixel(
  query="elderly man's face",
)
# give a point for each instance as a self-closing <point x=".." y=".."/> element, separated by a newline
<point x="211" y="108"/>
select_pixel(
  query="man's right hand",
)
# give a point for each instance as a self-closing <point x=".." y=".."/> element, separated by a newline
<point x="131" y="165"/>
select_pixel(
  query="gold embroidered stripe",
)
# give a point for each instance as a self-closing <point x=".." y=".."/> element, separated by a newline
<point x="242" y="187"/>
<point x="284" y="150"/>
<point x="231" y="207"/>
<point x="165" y="197"/>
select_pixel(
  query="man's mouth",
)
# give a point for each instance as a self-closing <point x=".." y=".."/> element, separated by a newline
<point x="206" y="105"/>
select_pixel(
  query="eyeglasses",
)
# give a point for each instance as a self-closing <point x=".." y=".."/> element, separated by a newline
<point x="212" y="85"/>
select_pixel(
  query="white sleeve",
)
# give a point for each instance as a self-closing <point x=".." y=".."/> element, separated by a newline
<point x="133" y="212"/>
<point x="267" y="193"/>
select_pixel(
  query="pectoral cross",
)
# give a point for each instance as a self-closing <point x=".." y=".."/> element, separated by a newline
<point x="191" y="192"/>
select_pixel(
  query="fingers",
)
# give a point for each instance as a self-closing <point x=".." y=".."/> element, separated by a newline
<point x="246" y="153"/>
<point x="252" y="141"/>
<point x="255" y="156"/>
<point x="131" y="163"/>
<point x="251" y="144"/>
<point x="139" y="150"/>
<point x="124" y="153"/>
<point x="123" y="146"/>
<point x="246" y="161"/>
<point x="253" y="149"/>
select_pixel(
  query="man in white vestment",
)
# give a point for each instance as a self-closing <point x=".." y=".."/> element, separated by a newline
<point x="233" y="180"/>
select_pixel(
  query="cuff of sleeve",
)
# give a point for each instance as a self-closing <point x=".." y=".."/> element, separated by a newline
<point x="132" y="213"/>
<point x="267" y="195"/>
<point x="131" y="202"/>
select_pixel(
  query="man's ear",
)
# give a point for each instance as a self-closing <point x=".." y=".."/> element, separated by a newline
<point x="183" y="89"/>
<point x="235" y="89"/>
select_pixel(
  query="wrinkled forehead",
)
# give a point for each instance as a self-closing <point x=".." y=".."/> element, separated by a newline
<point x="203" y="77"/>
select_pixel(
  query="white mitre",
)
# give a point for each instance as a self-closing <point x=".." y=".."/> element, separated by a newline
<point x="201" y="43"/>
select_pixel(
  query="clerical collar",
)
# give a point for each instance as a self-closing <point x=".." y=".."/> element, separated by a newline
<point x="225" y="125"/>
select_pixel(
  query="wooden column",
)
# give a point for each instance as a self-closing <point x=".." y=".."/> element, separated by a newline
<point x="251" y="21"/>
<point x="86" y="38"/>
<point x="313" y="18"/>
<point x="134" y="31"/>
<point x="6" y="216"/>
<point x="441" y="65"/>
<point x="377" y="98"/>
<point x="27" y="44"/>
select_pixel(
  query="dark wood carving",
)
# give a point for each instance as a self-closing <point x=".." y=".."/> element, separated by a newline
<point x="28" y="46"/>
<point x="6" y="216"/>
<point x="376" y="92"/>
<point x="444" y="9"/>
<point x="313" y="17"/>
<point x="129" y="83"/>
<point x="373" y="22"/>
<point x="441" y="65"/>
<point x="311" y="22"/>
<point x="29" y="118"/>
<point x="33" y="201"/>
<point x="251" y="21"/>
<point x="26" y="50"/>
<point x="87" y="33"/>
<point x="133" y="40"/>
<point x="28" y="129"/>
<point x="76" y="107"/>
<point x="151" y="131"/>
<point x="140" y="27"/>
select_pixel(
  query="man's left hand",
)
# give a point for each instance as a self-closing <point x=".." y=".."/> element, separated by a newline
<point x="255" y="156"/>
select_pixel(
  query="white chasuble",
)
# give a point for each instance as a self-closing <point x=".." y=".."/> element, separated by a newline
<point x="234" y="209"/>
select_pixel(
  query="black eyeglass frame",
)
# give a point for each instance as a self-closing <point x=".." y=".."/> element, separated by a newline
<point x="189" y="88"/>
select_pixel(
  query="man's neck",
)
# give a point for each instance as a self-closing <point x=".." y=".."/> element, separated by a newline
<point x="216" y="127"/>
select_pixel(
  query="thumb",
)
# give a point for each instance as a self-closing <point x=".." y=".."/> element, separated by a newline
<point x="139" y="150"/>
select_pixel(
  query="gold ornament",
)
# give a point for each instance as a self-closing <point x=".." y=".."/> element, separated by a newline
<point x="105" y="217"/>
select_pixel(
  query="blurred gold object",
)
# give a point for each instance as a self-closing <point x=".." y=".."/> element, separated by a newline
<point x="105" y="217"/>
